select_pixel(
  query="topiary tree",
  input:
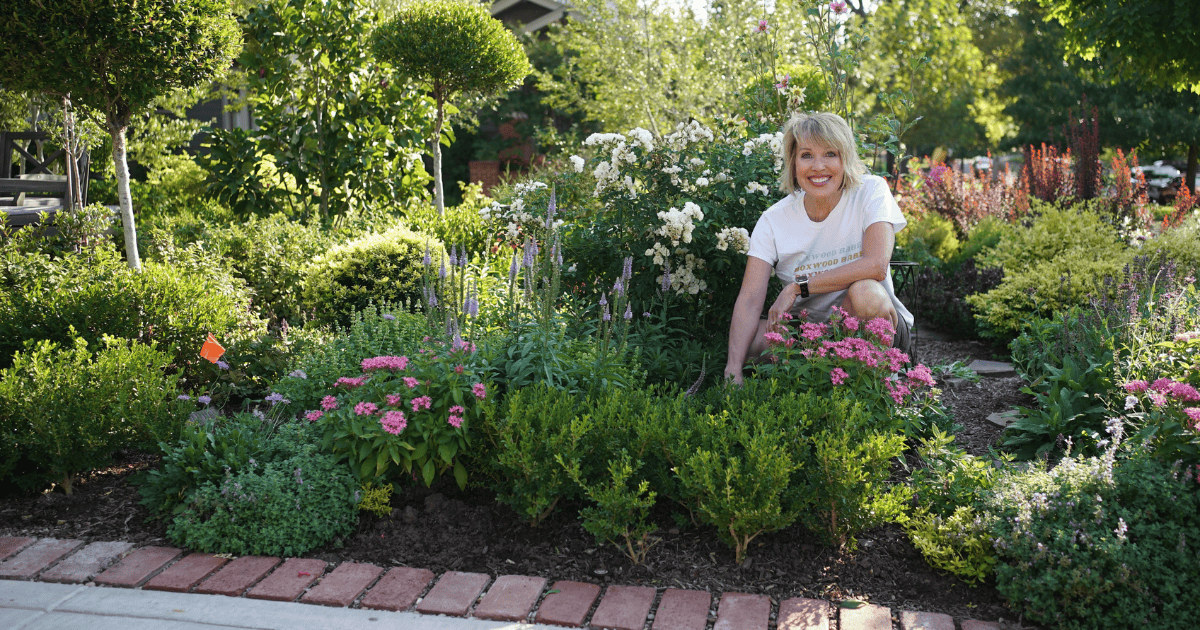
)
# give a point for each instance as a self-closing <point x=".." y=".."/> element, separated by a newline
<point x="452" y="47"/>
<point x="116" y="57"/>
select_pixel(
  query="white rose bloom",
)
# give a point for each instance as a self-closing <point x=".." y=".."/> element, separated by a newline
<point x="578" y="162"/>
<point x="642" y="138"/>
<point x="702" y="182"/>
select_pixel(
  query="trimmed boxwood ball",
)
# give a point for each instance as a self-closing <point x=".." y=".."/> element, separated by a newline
<point x="378" y="267"/>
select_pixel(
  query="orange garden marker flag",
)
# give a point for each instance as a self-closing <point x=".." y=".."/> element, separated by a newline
<point x="211" y="350"/>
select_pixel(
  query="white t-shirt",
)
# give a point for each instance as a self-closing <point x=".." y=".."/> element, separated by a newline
<point x="792" y="243"/>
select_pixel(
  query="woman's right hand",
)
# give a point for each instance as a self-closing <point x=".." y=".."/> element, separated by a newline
<point x="734" y="375"/>
<point x="783" y="304"/>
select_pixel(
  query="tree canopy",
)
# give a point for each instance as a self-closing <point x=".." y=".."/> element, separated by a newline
<point x="1157" y="41"/>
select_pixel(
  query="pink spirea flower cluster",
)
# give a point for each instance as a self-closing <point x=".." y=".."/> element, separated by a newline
<point x="314" y="415"/>
<point x="1192" y="412"/>
<point x="365" y="408"/>
<point x="921" y="374"/>
<point x="394" y="364"/>
<point x="411" y="382"/>
<point x="838" y="376"/>
<point x="393" y="422"/>
<point x="480" y="391"/>
<point x="351" y="382"/>
<point x="898" y="391"/>
<point x="455" y="418"/>
<point x="329" y="403"/>
<point x="423" y="402"/>
<point x="1163" y="387"/>
<point x="812" y="331"/>
<point x="773" y="338"/>
<point x="394" y="400"/>
<point x="883" y="329"/>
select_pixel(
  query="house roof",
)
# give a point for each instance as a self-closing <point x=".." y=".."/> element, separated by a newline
<point x="531" y="15"/>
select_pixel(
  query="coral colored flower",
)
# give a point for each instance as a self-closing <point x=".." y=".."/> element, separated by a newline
<point x="455" y="421"/>
<point x="411" y="382"/>
<point x="393" y="422"/>
<point x="394" y="399"/>
<point x="329" y="403"/>
<point x="773" y="338"/>
<point x="480" y="391"/>
<point x="1136" y="387"/>
<point x="424" y="402"/>
<point x="365" y="408"/>
<point x="838" y="376"/>
<point x="314" y="415"/>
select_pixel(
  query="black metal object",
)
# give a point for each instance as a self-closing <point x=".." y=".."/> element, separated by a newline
<point x="904" y="280"/>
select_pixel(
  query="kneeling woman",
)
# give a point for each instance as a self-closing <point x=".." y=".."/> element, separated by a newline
<point x="830" y="241"/>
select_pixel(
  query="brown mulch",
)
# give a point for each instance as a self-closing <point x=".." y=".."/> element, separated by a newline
<point x="443" y="529"/>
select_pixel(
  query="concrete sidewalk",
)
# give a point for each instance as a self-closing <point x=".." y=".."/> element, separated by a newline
<point x="43" y="606"/>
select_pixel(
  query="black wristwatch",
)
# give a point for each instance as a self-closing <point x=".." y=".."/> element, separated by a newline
<point x="802" y="282"/>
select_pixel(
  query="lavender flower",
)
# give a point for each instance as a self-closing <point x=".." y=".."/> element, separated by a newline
<point x="618" y="288"/>
<point x="442" y="271"/>
<point x="607" y="316"/>
<point x="666" y="280"/>
<point x="453" y="256"/>
<point x="603" y="300"/>
<point x="512" y="270"/>
<point x="551" y="210"/>
<point x="627" y="269"/>
<point x="275" y="398"/>
<point x="223" y="365"/>
<point x="531" y="250"/>
<point x="183" y="397"/>
<point x="426" y="261"/>
<point x="471" y="307"/>
<point x="389" y="317"/>
<point x="298" y="374"/>
<point x="204" y="400"/>
<point x="628" y="312"/>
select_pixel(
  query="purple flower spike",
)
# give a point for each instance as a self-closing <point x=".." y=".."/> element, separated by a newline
<point x="512" y="270"/>
<point x="628" y="312"/>
<point x="453" y="256"/>
<point x="603" y="300"/>
<point x="442" y="271"/>
<point x="627" y="270"/>
<point x="666" y="280"/>
<point x="551" y="210"/>
<point x="426" y="260"/>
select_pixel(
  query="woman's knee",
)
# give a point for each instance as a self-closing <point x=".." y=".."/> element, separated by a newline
<point x="867" y="299"/>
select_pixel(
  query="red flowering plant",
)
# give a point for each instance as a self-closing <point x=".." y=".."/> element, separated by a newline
<point x="847" y="353"/>
<point x="406" y="415"/>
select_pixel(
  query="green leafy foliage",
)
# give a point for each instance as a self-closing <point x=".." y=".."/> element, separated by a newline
<point x="281" y="508"/>
<point x="376" y="499"/>
<point x="460" y="226"/>
<point x="406" y="416"/>
<point x="1101" y="542"/>
<point x="93" y="295"/>
<point x="64" y="410"/>
<point x="373" y="332"/>
<point x="334" y="130"/>
<point x="1054" y="263"/>
<point x="621" y="507"/>
<point x="375" y="268"/>
<point x="958" y="544"/>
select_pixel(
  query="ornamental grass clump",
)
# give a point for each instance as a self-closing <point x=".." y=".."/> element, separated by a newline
<point x="405" y="416"/>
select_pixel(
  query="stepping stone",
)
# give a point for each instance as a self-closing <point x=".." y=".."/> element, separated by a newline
<point x="972" y="624"/>
<point x="399" y="589"/>
<point x="343" y="585"/>
<point x="234" y="578"/>
<point x="624" y="608"/>
<point x="187" y="573"/>
<point x="453" y="594"/>
<point x="1004" y="418"/>
<point x="868" y="617"/>
<point x="925" y="621"/>
<point x="800" y="613"/>
<point x="10" y="545"/>
<point x="510" y="598"/>
<point x="992" y="368"/>
<point x="569" y="606"/>
<point x="682" y="610"/>
<point x="87" y="562"/>
<point x="36" y="558"/>
<point x="138" y="566"/>
<point x="291" y="579"/>
<point x="742" y="611"/>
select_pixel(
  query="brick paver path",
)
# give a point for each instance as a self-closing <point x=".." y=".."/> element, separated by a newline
<point x="510" y="597"/>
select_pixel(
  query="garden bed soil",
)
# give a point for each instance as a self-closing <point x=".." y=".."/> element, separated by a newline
<point x="444" y="529"/>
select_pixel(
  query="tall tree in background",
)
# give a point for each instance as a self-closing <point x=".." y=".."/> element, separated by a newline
<point x="1154" y="42"/>
<point x="116" y="57"/>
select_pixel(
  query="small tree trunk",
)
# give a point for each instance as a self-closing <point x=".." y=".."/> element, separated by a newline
<point x="1190" y="180"/>
<point x="438" y="194"/>
<point x="131" y="248"/>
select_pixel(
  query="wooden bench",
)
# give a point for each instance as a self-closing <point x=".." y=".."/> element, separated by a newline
<point x="28" y="187"/>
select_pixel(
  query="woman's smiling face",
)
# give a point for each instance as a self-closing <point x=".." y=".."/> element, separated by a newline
<point x="819" y="171"/>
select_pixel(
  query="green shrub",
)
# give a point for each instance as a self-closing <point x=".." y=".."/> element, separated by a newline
<point x="621" y="507"/>
<point x="207" y="453"/>
<point x="930" y="239"/>
<point x="983" y="236"/>
<point x="64" y="411"/>
<point x="375" y="268"/>
<point x="461" y="226"/>
<point x="1045" y="286"/>
<point x="373" y="332"/>
<point x="532" y="354"/>
<point x="1180" y="244"/>
<point x="1052" y="232"/>
<point x="282" y="508"/>
<point x="97" y="295"/>
<point x="1099" y="543"/>
<point x="958" y="543"/>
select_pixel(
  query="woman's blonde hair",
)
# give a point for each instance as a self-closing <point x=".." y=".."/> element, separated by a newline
<point x="825" y="129"/>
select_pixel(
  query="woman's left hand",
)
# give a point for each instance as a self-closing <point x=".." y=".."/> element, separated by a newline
<point x="782" y="305"/>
